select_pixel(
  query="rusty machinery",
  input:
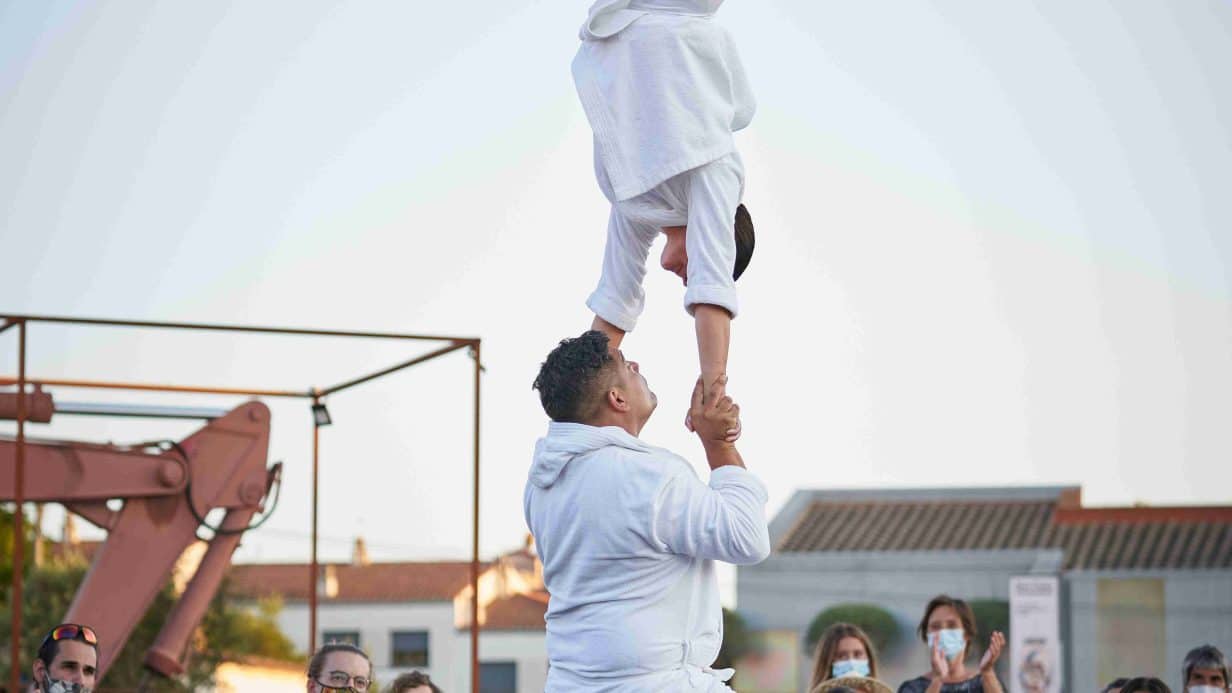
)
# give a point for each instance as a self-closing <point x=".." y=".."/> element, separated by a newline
<point x="169" y="487"/>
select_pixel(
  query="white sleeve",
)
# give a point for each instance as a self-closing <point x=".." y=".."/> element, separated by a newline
<point x="619" y="298"/>
<point x="722" y="521"/>
<point x="714" y="194"/>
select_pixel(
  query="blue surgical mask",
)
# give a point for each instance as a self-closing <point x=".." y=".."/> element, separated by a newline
<point x="953" y="641"/>
<point x="1205" y="689"/>
<point x="850" y="667"/>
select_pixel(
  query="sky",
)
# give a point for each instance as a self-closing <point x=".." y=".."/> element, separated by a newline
<point x="994" y="242"/>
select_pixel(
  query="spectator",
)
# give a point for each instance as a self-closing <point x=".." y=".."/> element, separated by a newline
<point x="843" y="650"/>
<point x="949" y="630"/>
<point x="67" y="660"/>
<point x="414" y="682"/>
<point x="1145" y="684"/>
<point x="1115" y="686"/>
<point x="1205" y="671"/>
<point x="339" y="667"/>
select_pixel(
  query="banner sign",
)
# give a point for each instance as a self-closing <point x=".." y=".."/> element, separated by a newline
<point x="1035" y="642"/>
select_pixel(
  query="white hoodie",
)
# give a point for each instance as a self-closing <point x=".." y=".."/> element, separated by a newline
<point x="628" y="534"/>
<point x="663" y="88"/>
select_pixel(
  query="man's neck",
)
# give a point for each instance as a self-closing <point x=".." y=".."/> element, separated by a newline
<point x="631" y="427"/>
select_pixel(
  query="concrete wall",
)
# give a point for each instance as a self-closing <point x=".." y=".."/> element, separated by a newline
<point x="789" y="590"/>
<point x="1198" y="611"/>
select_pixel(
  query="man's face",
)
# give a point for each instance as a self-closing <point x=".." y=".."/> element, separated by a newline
<point x="75" y="662"/>
<point x="1207" y="677"/>
<point x="675" y="257"/>
<point x="642" y="401"/>
<point x="339" y="671"/>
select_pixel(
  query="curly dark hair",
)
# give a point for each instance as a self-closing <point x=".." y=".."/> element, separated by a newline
<point x="570" y="378"/>
<point x="414" y="679"/>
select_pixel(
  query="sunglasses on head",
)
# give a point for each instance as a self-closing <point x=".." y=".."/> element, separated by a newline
<point x="71" y="631"/>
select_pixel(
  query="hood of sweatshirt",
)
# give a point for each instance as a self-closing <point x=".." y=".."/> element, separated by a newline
<point x="566" y="441"/>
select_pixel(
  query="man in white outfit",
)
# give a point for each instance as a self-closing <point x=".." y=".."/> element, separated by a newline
<point x="664" y="89"/>
<point x="628" y="534"/>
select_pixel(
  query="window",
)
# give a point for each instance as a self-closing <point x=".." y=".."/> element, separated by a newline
<point x="498" y="677"/>
<point x="348" y="637"/>
<point x="410" y="648"/>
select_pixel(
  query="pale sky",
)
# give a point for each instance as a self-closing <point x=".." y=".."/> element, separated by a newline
<point x="994" y="241"/>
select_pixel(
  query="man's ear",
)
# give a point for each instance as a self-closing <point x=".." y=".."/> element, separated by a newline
<point x="616" y="400"/>
<point x="39" y="668"/>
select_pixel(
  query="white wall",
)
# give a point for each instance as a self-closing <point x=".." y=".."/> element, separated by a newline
<point x="448" y="647"/>
<point x="376" y="623"/>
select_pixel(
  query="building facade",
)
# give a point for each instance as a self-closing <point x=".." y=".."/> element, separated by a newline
<point x="416" y="615"/>
<point x="1139" y="586"/>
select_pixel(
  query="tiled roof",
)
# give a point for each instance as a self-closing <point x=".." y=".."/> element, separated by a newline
<point x="517" y="612"/>
<point x="375" y="582"/>
<point x="1092" y="538"/>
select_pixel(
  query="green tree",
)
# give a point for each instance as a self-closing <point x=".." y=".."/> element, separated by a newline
<point x="737" y="640"/>
<point x="227" y="629"/>
<point x="7" y="551"/>
<point x="880" y="625"/>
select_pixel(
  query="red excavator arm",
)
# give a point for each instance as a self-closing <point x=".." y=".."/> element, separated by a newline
<point x="166" y="496"/>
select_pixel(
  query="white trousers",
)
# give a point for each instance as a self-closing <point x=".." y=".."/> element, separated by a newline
<point x="704" y="199"/>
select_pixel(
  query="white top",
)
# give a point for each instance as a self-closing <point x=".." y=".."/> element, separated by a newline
<point x="628" y="534"/>
<point x="662" y="87"/>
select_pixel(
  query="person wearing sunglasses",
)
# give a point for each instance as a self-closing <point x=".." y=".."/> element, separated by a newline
<point x="339" y="667"/>
<point x="67" y="660"/>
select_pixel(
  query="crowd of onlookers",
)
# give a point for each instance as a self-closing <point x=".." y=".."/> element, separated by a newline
<point x="845" y="662"/>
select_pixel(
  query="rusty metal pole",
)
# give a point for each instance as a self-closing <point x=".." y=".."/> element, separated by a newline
<point x="19" y="530"/>
<point x="312" y="587"/>
<point x="475" y="537"/>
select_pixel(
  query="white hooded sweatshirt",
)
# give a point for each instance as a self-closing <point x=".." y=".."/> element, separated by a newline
<point x="663" y="88"/>
<point x="628" y="534"/>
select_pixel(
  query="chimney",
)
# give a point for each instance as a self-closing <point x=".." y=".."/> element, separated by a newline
<point x="69" y="537"/>
<point x="359" y="555"/>
<point x="327" y="583"/>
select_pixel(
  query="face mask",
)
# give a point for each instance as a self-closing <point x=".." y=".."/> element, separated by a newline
<point x="1206" y="689"/>
<point x="51" y="685"/>
<point x="953" y="641"/>
<point x="850" y="667"/>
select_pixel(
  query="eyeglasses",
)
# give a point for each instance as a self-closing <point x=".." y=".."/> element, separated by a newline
<point x="71" y="631"/>
<point x="340" y="680"/>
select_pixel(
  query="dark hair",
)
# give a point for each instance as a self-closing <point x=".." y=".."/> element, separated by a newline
<point x="569" y="379"/>
<point x="50" y="649"/>
<point x="827" y="647"/>
<point x="744" y="240"/>
<point x="1204" y="657"/>
<point x="1145" y="684"/>
<point x="415" y="679"/>
<point x="965" y="614"/>
<point x="318" y="660"/>
<point x="1115" y="685"/>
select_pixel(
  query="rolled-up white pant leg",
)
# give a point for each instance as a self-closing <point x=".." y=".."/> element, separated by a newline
<point x="619" y="298"/>
<point x="714" y="194"/>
